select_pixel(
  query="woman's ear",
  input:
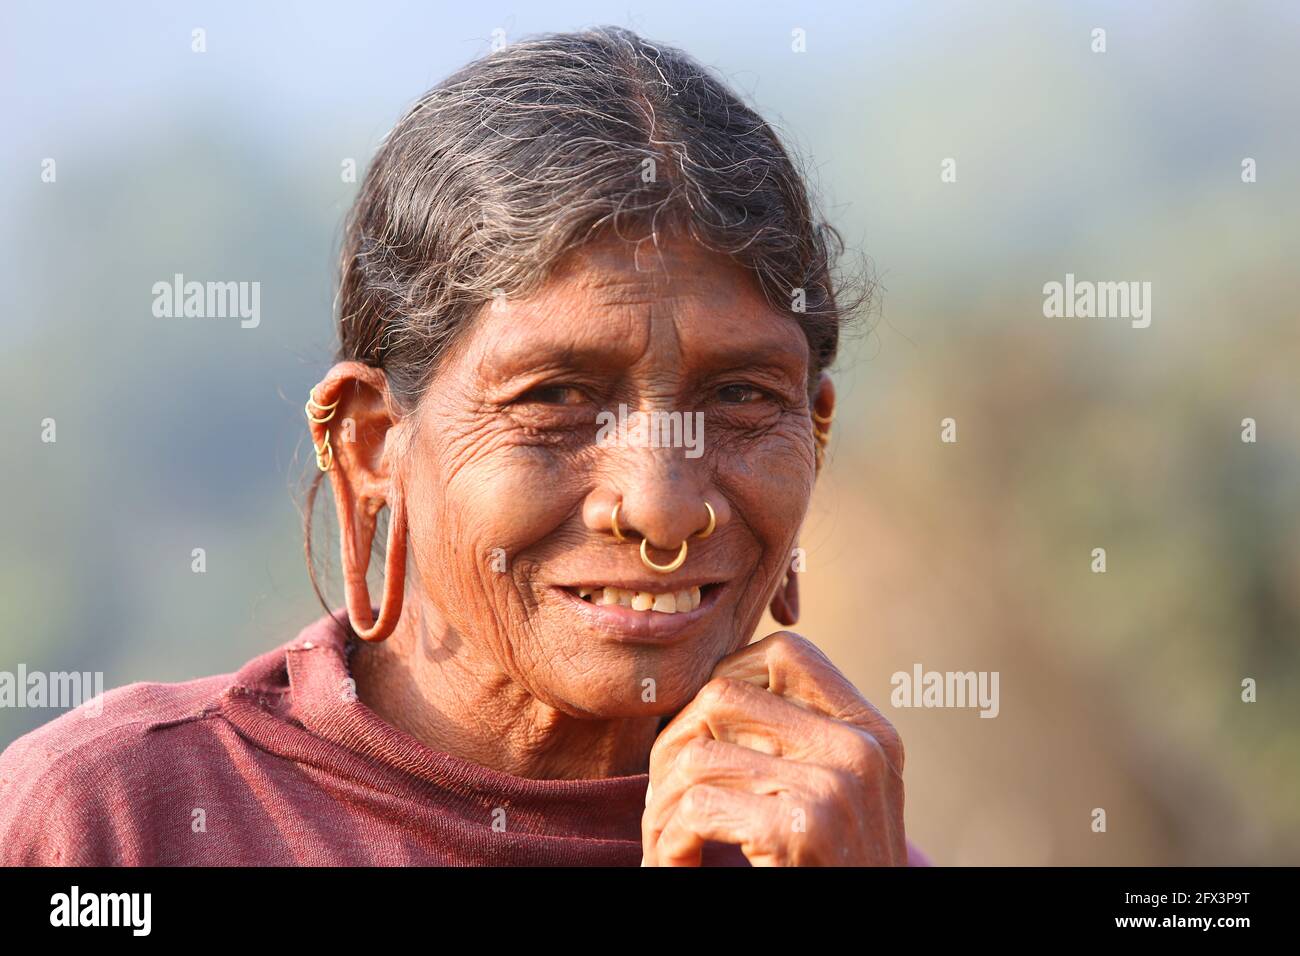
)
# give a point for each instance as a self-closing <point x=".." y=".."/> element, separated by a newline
<point x="823" y="412"/>
<point x="354" y="422"/>
<point x="785" y="603"/>
<point x="824" y="401"/>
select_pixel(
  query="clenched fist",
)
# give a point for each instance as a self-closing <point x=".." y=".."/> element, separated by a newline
<point x="780" y="754"/>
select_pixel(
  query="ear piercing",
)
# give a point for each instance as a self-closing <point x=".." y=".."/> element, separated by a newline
<point x="324" y="451"/>
<point x="311" y="401"/>
<point x="822" y="438"/>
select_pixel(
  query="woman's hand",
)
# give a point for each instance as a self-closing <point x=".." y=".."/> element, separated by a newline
<point x="779" y="754"/>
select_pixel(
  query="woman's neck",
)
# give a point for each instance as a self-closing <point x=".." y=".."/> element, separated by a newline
<point x="429" y="683"/>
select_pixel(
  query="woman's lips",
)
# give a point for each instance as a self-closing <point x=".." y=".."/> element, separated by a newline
<point x="649" y="626"/>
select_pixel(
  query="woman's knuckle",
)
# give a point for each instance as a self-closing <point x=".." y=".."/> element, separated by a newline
<point x="890" y="742"/>
<point x="717" y="693"/>
<point x="788" y="647"/>
<point x="866" y="755"/>
<point x="696" y="801"/>
<point x="694" y="754"/>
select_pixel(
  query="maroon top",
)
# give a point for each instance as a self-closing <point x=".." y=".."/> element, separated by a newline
<point x="279" y="764"/>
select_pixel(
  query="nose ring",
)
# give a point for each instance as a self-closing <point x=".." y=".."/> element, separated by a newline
<point x="668" y="568"/>
<point x="676" y="562"/>
<point x="713" y="523"/>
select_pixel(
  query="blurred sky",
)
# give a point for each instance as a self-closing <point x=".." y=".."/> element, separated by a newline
<point x="1119" y="690"/>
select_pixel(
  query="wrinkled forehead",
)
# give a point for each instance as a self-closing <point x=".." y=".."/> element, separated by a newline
<point x="615" y="302"/>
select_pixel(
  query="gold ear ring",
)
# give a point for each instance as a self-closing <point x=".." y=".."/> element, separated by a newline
<point x="325" y="453"/>
<point x="311" y="401"/>
<point x="823" y="437"/>
<point x="820" y="440"/>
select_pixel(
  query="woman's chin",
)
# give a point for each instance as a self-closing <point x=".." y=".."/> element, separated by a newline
<point x="669" y="699"/>
<point x="650" y="663"/>
<point x="633" y="681"/>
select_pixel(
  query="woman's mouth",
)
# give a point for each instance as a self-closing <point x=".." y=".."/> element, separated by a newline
<point x="664" y="602"/>
<point x="641" y="615"/>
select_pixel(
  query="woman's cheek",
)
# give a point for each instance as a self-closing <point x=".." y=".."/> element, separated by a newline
<point x="496" y="511"/>
<point x="770" y="482"/>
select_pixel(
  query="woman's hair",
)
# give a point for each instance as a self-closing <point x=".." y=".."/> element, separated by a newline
<point x="521" y="156"/>
<point x="510" y="163"/>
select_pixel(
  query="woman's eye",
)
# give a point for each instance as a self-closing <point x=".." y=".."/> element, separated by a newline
<point x="739" y="394"/>
<point x="553" y="395"/>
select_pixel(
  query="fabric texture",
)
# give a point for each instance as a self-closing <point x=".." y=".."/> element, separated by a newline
<point x="280" y="764"/>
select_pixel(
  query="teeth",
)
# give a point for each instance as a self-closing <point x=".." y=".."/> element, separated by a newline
<point x="669" y="602"/>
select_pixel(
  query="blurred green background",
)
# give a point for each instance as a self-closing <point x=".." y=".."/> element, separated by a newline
<point x="1118" y="690"/>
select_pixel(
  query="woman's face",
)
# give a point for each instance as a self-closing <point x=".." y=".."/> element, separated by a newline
<point x="509" y="491"/>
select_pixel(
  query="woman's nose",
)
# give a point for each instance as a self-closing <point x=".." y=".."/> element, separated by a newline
<point x="665" y="515"/>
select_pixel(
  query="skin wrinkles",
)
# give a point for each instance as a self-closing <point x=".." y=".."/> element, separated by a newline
<point x="639" y="337"/>
<point x="503" y="667"/>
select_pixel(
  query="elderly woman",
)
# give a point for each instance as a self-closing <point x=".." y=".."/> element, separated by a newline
<point x="559" y="668"/>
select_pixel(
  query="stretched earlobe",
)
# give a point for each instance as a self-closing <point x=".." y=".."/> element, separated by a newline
<point x="363" y="483"/>
<point x="356" y="561"/>
<point x="785" y="603"/>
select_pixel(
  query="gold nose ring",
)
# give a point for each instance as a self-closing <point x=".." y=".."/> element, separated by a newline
<point x="668" y="568"/>
<point x="713" y="523"/>
<point x="676" y="562"/>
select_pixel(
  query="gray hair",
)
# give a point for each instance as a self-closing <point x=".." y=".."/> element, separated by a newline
<point x="521" y="156"/>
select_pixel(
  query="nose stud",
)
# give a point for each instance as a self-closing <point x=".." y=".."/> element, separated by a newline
<point x="676" y="562"/>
